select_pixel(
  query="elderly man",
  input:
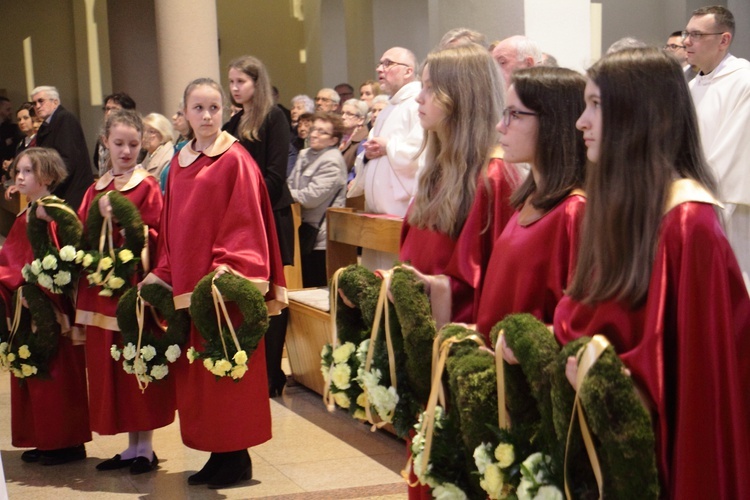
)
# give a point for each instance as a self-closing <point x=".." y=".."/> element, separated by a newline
<point x="721" y="93"/>
<point x="62" y="131"/>
<point x="515" y="53"/>
<point x="391" y="169"/>
<point x="327" y="101"/>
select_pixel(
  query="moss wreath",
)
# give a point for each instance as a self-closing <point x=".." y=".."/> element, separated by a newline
<point x="124" y="264"/>
<point x="49" y="269"/>
<point x="162" y="341"/>
<point x="69" y="227"/>
<point x="27" y="351"/>
<point x="221" y="355"/>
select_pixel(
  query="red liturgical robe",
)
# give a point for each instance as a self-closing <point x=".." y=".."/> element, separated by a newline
<point x="465" y="259"/>
<point x="216" y="211"/>
<point x="46" y="413"/>
<point x="116" y="403"/>
<point x="688" y="348"/>
<point x="531" y="265"/>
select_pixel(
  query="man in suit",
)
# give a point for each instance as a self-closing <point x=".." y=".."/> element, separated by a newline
<point x="62" y="131"/>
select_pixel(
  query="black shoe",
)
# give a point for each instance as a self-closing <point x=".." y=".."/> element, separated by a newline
<point x="63" y="455"/>
<point x="275" y="389"/>
<point x="31" y="456"/>
<point x="141" y="465"/>
<point x="207" y="472"/>
<point x="237" y="467"/>
<point x="115" y="463"/>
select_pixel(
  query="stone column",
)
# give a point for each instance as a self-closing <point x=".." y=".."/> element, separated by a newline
<point x="188" y="46"/>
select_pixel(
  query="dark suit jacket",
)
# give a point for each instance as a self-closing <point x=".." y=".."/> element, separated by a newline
<point x="64" y="134"/>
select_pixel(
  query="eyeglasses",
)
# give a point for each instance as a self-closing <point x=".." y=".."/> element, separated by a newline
<point x="387" y="64"/>
<point x="673" y="46"/>
<point x="697" y="35"/>
<point x="347" y="114"/>
<point x="320" y="131"/>
<point x="323" y="99"/>
<point x="514" y="114"/>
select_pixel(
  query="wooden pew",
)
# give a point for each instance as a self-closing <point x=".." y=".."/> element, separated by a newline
<point x="310" y="328"/>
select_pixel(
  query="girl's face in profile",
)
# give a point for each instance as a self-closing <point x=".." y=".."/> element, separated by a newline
<point x="590" y="122"/>
<point x="519" y="130"/>
<point x="27" y="181"/>
<point x="241" y="86"/>
<point x="431" y="112"/>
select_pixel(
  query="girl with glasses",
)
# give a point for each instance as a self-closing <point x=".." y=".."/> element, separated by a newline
<point x="532" y="260"/>
<point x="657" y="277"/>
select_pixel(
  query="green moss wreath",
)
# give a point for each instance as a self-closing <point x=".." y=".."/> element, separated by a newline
<point x="251" y="304"/>
<point x="113" y="275"/>
<point x="29" y="352"/>
<point x="158" y="347"/>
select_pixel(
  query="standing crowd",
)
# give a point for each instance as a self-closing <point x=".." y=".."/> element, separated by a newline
<point x="610" y="203"/>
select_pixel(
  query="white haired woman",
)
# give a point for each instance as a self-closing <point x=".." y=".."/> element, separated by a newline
<point x="158" y="135"/>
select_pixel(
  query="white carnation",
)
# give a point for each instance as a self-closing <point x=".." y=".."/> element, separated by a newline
<point x="340" y="376"/>
<point x="148" y="352"/>
<point x="45" y="281"/>
<point x="159" y="371"/>
<point x="129" y="351"/>
<point x="342" y="353"/>
<point x="68" y="253"/>
<point x="115" y="352"/>
<point x="173" y="352"/>
<point x="36" y="266"/>
<point x="49" y="262"/>
<point x="482" y="457"/>
<point x="62" y="278"/>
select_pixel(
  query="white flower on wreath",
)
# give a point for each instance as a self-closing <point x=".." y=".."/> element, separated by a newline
<point x="115" y="282"/>
<point x="36" y="266"/>
<point x="505" y="455"/>
<point x="23" y="352"/>
<point x="127" y="367"/>
<point x="139" y="366"/>
<point x="364" y="346"/>
<point x="105" y="292"/>
<point x="10" y="357"/>
<point x="17" y="373"/>
<point x="492" y="482"/>
<point x="28" y="370"/>
<point x="448" y="491"/>
<point x="192" y="354"/>
<point x="148" y="352"/>
<point x="144" y="378"/>
<point x="341" y="376"/>
<point x="172" y="353"/>
<point x="45" y="281"/>
<point x="208" y="363"/>
<point x="26" y="272"/>
<point x="341" y="399"/>
<point x="240" y="357"/>
<point x="482" y="457"/>
<point x="129" y="351"/>
<point x="68" y="253"/>
<point x="115" y="352"/>
<point x="221" y="367"/>
<point x="49" y="262"/>
<point x="87" y="260"/>
<point x="239" y="371"/>
<point x="325" y="370"/>
<point x="106" y="263"/>
<point x="325" y="351"/>
<point x="159" y="371"/>
<point x="79" y="256"/>
<point x="125" y="255"/>
<point x="384" y="400"/>
<point x="343" y="352"/>
<point x="3" y="347"/>
<point x="62" y="278"/>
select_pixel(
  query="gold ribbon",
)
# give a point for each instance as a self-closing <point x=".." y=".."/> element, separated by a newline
<point x="16" y="323"/>
<point x="381" y="310"/>
<point x="502" y="417"/>
<point x="587" y="357"/>
<point x="437" y="392"/>
<point x="220" y="305"/>
<point x="105" y="236"/>
<point x="140" y="309"/>
<point x="55" y="202"/>
<point x="328" y="398"/>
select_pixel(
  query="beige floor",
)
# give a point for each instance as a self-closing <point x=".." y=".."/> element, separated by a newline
<point x="313" y="455"/>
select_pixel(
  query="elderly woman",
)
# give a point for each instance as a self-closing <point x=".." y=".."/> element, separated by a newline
<point x="301" y="104"/>
<point x="317" y="182"/>
<point x="158" y="134"/>
<point x="354" y="114"/>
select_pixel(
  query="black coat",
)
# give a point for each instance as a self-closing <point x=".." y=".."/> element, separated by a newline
<point x="64" y="134"/>
<point x="271" y="153"/>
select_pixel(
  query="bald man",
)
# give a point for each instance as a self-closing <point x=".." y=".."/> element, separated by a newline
<point x="514" y="53"/>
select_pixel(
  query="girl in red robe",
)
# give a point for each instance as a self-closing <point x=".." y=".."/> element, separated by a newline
<point x="657" y="277"/>
<point x="116" y="403"/>
<point x="532" y="259"/>
<point x="217" y="216"/>
<point x="47" y="414"/>
<point x="462" y="196"/>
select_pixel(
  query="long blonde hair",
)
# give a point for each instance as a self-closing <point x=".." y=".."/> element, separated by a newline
<point x="262" y="100"/>
<point x="467" y="84"/>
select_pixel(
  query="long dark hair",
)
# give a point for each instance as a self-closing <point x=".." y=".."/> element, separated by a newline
<point x="556" y="96"/>
<point x="649" y="138"/>
<point x="262" y="101"/>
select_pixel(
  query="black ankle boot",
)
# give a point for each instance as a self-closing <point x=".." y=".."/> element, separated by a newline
<point x="213" y="465"/>
<point x="236" y="467"/>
